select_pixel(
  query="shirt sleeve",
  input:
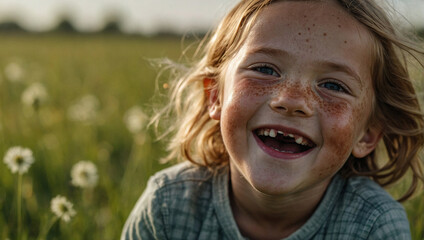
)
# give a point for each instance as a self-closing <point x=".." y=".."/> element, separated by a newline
<point x="146" y="218"/>
<point x="392" y="224"/>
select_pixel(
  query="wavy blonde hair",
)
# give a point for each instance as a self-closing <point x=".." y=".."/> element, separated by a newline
<point x="194" y="136"/>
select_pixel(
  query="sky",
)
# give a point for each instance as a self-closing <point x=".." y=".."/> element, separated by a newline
<point x="143" y="16"/>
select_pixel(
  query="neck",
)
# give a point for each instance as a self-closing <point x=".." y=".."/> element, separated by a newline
<point x="263" y="216"/>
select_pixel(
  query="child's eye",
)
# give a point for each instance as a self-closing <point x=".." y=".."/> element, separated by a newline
<point x="265" y="69"/>
<point x="333" y="87"/>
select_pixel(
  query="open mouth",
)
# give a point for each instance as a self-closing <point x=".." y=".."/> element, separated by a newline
<point x="284" y="142"/>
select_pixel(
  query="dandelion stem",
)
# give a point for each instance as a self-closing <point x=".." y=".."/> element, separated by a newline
<point x="19" y="206"/>
<point x="129" y="169"/>
<point x="46" y="229"/>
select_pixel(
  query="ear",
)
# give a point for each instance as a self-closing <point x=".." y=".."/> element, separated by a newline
<point x="211" y="92"/>
<point x="367" y="143"/>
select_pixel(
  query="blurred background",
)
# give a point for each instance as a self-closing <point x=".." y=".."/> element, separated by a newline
<point x="76" y="86"/>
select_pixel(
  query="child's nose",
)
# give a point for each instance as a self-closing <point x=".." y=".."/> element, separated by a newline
<point x="294" y="101"/>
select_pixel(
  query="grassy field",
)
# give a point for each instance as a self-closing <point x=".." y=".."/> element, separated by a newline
<point x="90" y="82"/>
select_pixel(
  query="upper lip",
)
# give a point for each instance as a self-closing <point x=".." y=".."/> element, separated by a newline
<point x="287" y="130"/>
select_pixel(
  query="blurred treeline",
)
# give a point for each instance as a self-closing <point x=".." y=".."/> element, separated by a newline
<point x="110" y="27"/>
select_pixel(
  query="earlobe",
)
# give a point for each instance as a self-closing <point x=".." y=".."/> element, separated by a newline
<point x="367" y="143"/>
<point x="211" y="94"/>
<point x="215" y="111"/>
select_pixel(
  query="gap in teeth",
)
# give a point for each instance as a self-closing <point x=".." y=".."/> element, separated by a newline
<point x="273" y="133"/>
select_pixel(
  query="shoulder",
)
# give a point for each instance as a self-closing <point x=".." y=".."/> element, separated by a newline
<point x="179" y="185"/>
<point x="362" y="192"/>
<point x="370" y="208"/>
<point x="173" y="199"/>
<point x="184" y="183"/>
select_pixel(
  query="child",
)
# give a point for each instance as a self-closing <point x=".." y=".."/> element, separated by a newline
<point x="280" y="121"/>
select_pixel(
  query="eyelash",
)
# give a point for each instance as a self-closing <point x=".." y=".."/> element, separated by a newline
<point x="342" y="87"/>
<point x="267" y="66"/>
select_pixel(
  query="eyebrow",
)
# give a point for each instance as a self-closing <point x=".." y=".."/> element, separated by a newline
<point x="273" y="52"/>
<point x="334" y="66"/>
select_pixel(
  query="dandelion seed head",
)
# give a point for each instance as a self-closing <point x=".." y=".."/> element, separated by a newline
<point x="62" y="208"/>
<point x="34" y="95"/>
<point x="14" y="72"/>
<point x="18" y="159"/>
<point x="135" y="119"/>
<point x="85" y="109"/>
<point x="84" y="174"/>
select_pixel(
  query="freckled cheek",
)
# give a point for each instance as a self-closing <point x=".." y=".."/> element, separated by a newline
<point x="338" y="129"/>
<point x="339" y="135"/>
<point x="240" y="104"/>
<point x="229" y="118"/>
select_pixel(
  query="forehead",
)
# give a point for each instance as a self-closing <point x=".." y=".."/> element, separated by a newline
<point x="320" y="30"/>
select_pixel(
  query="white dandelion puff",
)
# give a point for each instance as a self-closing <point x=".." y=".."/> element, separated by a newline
<point x="85" y="109"/>
<point x="34" y="95"/>
<point x="62" y="208"/>
<point x="14" y="72"/>
<point x="84" y="174"/>
<point x="18" y="159"/>
<point x="135" y="119"/>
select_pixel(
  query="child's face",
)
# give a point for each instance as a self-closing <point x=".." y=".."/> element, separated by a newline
<point x="303" y="75"/>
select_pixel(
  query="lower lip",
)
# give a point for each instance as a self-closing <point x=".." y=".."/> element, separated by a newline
<point x="277" y="154"/>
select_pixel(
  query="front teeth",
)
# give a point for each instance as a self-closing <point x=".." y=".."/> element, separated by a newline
<point x="299" y="140"/>
<point x="273" y="133"/>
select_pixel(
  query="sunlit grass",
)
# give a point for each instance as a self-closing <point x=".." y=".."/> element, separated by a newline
<point x="112" y="73"/>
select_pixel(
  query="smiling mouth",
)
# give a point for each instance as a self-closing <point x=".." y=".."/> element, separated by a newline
<point x="284" y="142"/>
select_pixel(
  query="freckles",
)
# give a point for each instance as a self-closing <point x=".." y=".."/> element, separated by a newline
<point x="230" y="128"/>
<point x="295" y="90"/>
<point x="289" y="89"/>
<point x="243" y="98"/>
<point x="341" y="141"/>
<point x="342" y="128"/>
<point x="333" y="109"/>
<point x="311" y="97"/>
<point x="252" y="89"/>
<point x="338" y="150"/>
<point x="231" y="119"/>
